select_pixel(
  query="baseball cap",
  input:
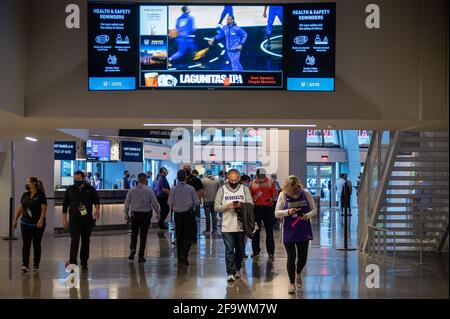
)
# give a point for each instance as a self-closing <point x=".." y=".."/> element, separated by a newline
<point x="261" y="171"/>
<point x="208" y="172"/>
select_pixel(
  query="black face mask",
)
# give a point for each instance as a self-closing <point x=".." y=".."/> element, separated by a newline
<point x="233" y="185"/>
<point x="27" y="187"/>
<point x="78" y="183"/>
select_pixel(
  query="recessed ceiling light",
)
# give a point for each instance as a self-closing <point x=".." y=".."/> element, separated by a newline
<point x="31" y="139"/>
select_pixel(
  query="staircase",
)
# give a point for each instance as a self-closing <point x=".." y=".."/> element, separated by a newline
<point x="411" y="202"/>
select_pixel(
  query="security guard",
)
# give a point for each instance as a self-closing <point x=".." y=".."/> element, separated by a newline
<point x="79" y="201"/>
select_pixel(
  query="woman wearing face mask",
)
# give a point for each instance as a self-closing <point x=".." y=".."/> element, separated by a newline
<point x="295" y="206"/>
<point x="32" y="208"/>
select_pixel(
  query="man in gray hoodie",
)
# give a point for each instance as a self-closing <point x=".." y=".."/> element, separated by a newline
<point x="211" y="185"/>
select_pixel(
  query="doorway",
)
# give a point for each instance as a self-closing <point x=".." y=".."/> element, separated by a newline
<point x="321" y="181"/>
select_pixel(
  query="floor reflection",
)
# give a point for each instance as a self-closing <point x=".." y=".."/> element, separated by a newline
<point x="329" y="273"/>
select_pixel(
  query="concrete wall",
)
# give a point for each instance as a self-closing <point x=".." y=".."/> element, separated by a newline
<point x="5" y="186"/>
<point x="12" y="55"/>
<point x="396" y="72"/>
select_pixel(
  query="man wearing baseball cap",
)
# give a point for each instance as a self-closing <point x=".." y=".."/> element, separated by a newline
<point x="263" y="192"/>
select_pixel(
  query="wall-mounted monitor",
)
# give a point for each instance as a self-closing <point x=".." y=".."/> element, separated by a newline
<point x="98" y="150"/>
<point x="132" y="152"/>
<point x="211" y="46"/>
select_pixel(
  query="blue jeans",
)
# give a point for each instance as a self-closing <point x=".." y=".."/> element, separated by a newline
<point x="234" y="251"/>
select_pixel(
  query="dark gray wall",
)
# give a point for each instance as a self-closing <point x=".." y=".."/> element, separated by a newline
<point x="12" y="56"/>
<point x="396" y="72"/>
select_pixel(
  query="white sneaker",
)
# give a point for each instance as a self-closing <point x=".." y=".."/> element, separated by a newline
<point x="291" y="289"/>
<point x="238" y="275"/>
<point x="231" y="278"/>
<point x="299" y="281"/>
<point x="25" y="270"/>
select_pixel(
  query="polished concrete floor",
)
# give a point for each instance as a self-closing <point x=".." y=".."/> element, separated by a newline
<point x="330" y="273"/>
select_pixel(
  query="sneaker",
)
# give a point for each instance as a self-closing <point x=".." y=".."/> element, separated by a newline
<point x="84" y="268"/>
<point x="132" y="253"/>
<point x="231" y="278"/>
<point x="141" y="260"/>
<point x="25" y="270"/>
<point x="291" y="289"/>
<point x="299" y="281"/>
<point x="245" y="256"/>
<point x="254" y="255"/>
<point x="238" y="274"/>
<point x="35" y="268"/>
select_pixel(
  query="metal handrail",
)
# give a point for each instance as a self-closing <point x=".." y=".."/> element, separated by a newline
<point x="374" y="247"/>
<point x="382" y="186"/>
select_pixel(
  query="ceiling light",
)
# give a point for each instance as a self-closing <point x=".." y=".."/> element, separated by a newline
<point x="31" y="139"/>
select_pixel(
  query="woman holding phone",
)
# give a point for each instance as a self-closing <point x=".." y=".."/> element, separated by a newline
<point x="295" y="207"/>
<point x="32" y="208"/>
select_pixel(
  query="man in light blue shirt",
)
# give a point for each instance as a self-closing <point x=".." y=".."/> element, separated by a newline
<point x="140" y="202"/>
<point x="183" y="199"/>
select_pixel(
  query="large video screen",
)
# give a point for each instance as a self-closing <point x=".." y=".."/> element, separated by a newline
<point x="210" y="46"/>
<point x="167" y="46"/>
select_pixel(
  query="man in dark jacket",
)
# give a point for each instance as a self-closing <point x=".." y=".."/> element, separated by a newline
<point x="346" y="196"/>
<point x="80" y="200"/>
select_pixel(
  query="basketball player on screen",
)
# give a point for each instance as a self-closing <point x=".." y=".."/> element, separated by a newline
<point x="227" y="10"/>
<point x="235" y="38"/>
<point x="274" y="11"/>
<point x="184" y="34"/>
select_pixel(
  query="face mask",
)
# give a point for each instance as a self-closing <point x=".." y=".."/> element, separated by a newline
<point x="233" y="185"/>
<point x="27" y="187"/>
<point x="78" y="183"/>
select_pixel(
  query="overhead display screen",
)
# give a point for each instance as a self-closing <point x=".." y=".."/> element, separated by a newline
<point x="310" y="46"/>
<point x="132" y="152"/>
<point x="112" y="46"/>
<point x="98" y="150"/>
<point x="167" y="46"/>
<point x="65" y="151"/>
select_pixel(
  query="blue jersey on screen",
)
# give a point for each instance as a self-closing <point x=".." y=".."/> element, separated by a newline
<point x="185" y="25"/>
<point x="234" y="36"/>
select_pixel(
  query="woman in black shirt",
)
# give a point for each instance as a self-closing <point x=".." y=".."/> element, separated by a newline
<point x="32" y="208"/>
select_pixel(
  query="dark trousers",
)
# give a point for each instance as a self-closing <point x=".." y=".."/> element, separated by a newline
<point x="140" y="224"/>
<point x="296" y="251"/>
<point x="234" y="251"/>
<point x="80" y="230"/>
<point x="195" y="224"/>
<point x="183" y="230"/>
<point x="210" y="214"/>
<point x="264" y="214"/>
<point x="164" y="211"/>
<point x="31" y="235"/>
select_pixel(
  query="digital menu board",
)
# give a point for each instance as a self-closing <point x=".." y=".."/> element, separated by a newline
<point x="310" y="46"/>
<point x="132" y="152"/>
<point x="65" y="151"/>
<point x="98" y="150"/>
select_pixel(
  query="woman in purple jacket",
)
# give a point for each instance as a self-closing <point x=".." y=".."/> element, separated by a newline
<point x="295" y="207"/>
